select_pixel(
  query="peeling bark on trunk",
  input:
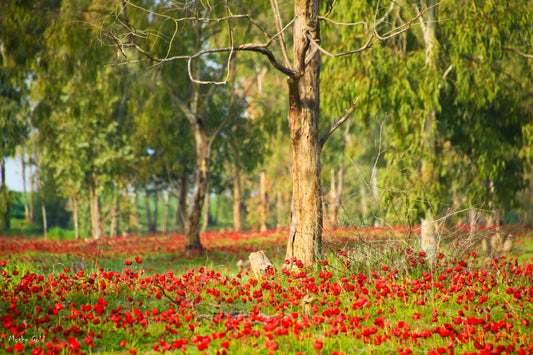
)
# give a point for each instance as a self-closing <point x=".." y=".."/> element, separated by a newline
<point x="263" y="208"/>
<point x="305" y="235"/>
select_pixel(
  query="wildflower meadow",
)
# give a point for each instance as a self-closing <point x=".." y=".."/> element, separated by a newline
<point x="372" y="292"/>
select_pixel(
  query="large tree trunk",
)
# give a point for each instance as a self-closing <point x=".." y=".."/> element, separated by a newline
<point x="206" y="221"/>
<point x="202" y="150"/>
<point x="237" y="199"/>
<point x="263" y="208"/>
<point x="305" y="235"/>
<point x="181" y="213"/>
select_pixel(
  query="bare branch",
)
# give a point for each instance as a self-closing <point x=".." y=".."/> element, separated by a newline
<point x="367" y="45"/>
<point x="387" y="13"/>
<point x="447" y="71"/>
<point x="522" y="54"/>
<point x="202" y="19"/>
<point x="330" y="9"/>
<point x="403" y="28"/>
<point x="530" y="56"/>
<point x="322" y="18"/>
<point x="338" y="124"/>
<point x="191" y="116"/>
<point x="259" y="48"/>
<point x="279" y="27"/>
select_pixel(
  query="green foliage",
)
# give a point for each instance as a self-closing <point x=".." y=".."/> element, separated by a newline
<point x="474" y="83"/>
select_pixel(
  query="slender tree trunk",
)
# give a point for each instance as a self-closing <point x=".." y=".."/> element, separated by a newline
<point x="126" y="211"/>
<point x="156" y="211"/>
<point x="202" y="150"/>
<point x="45" y="221"/>
<point x="2" y="172"/>
<point x="113" y="229"/>
<point x="305" y="235"/>
<point x="31" y="191"/>
<point x="335" y="196"/>
<point x="494" y="216"/>
<point x="135" y="217"/>
<point x="148" y="212"/>
<point x="5" y="196"/>
<point x="96" y="228"/>
<point x="264" y="201"/>
<point x="166" y="197"/>
<point x="364" y="202"/>
<point x="237" y="199"/>
<point x="429" y="29"/>
<point x="23" y="167"/>
<point x="181" y="213"/>
<point x="279" y="204"/>
<point x="375" y="190"/>
<point x="76" y="217"/>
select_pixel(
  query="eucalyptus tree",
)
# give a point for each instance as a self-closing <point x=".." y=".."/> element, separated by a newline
<point x="81" y="109"/>
<point x="196" y="102"/>
<point x="302" y="71"/>
<point x="21" y="36"/>
<point x="453" y="90"/>
<point x="485" y="107"/>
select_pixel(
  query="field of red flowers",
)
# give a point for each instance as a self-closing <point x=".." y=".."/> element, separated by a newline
<point x="372" y="292"/>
